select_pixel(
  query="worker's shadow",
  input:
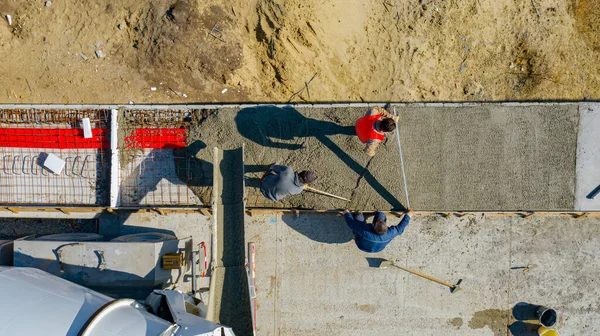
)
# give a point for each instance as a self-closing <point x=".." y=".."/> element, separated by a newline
<point x="197" y="174"/>
<point x="177" y="166"/>
<point x="262" y="124"/>
<point x="140" y="184"/>
<point x="322" y="228"/>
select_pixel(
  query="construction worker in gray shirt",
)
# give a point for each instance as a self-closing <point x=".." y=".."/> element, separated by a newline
<point x="280" y="181"/>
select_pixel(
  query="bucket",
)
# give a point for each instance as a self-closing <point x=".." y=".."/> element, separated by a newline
<point x="547" y="331"/>
<point x="547" y="316"/>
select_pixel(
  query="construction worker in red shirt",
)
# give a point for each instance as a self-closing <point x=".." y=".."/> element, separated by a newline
<point x="372" y="128"/>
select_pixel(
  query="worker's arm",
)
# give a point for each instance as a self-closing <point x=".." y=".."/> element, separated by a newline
<point x="352" y="223"/>
<point x="381" y="111"/>
<point x="403" y="223"/>
<point x="371" y="147"/>
<point x="277" y="169"/>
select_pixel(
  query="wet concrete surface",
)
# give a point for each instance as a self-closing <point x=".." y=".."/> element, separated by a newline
<point x="491" y="157"/>
<point x="487" y="157"/>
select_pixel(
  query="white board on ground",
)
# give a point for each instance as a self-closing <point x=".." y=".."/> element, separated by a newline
<point x="588" y="157"/>
<point x="87" y="128"/>
<point x="54" y="163"/>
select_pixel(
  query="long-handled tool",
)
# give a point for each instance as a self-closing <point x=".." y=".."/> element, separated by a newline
<point x="525" y="269"/>
<point x="401" y="160"/>
<point x="307" y="188"/>
<point x="453" y="288"/>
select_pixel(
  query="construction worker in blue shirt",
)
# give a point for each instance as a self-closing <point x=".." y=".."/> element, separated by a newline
<point x="373" y="238"/>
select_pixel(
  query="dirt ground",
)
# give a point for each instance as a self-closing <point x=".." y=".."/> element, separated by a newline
<point x="399" y="50"/>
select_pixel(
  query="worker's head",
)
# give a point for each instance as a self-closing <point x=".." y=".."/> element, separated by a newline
<point x="307" y="176"/>
<point x="381" y="227"/>
<point x="387" y="125"/>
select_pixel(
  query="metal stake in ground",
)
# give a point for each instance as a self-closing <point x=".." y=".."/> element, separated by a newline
<point x="401" y="159"/>
<point x="317" y="191"/>
<point x="453" y="288"/>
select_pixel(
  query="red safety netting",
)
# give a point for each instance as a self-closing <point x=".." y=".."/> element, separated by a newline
<point x="73" y="138"/>
<point x="157" y="138"/>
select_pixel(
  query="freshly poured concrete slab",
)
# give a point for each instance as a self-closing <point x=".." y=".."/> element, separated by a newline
<point x="489" y="157"/>
<point x="588" y="158"/>
<point x="312" y="280"/>
<point x="476" y="157"/>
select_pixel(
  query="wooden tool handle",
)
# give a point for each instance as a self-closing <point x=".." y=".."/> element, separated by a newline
<point x="425" y="276"/>
<point x="324" y="193"/>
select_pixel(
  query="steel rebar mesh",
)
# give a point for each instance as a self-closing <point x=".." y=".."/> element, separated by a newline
<point x="27" y="136"/>
<point x="158" y="163"/>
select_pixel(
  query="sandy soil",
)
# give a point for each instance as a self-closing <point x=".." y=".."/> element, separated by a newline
<point x="400" y="50"/>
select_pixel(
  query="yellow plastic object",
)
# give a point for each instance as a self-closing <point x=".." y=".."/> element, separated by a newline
<point x="172" y="261"/>
<point x="547" y="331"/>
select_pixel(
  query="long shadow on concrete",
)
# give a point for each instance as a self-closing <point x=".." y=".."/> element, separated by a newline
<point x="232" y="300"/>
<point x="322" y="228"/>
<point x="264" y="123"/>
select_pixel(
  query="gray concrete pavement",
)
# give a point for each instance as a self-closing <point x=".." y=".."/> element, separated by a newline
<point x="313" y="280"/>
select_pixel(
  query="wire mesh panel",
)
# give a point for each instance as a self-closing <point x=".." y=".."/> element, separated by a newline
<point x="28" y="137"/>
<point x="158" y="163"/>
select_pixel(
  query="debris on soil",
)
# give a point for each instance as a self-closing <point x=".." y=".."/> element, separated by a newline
<point x="100" y="54"/>
<point x="473" y="89"/>
<point x="361" y="51"/>
<point x="463" y="66"/>
<point x="527" y="69"/>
